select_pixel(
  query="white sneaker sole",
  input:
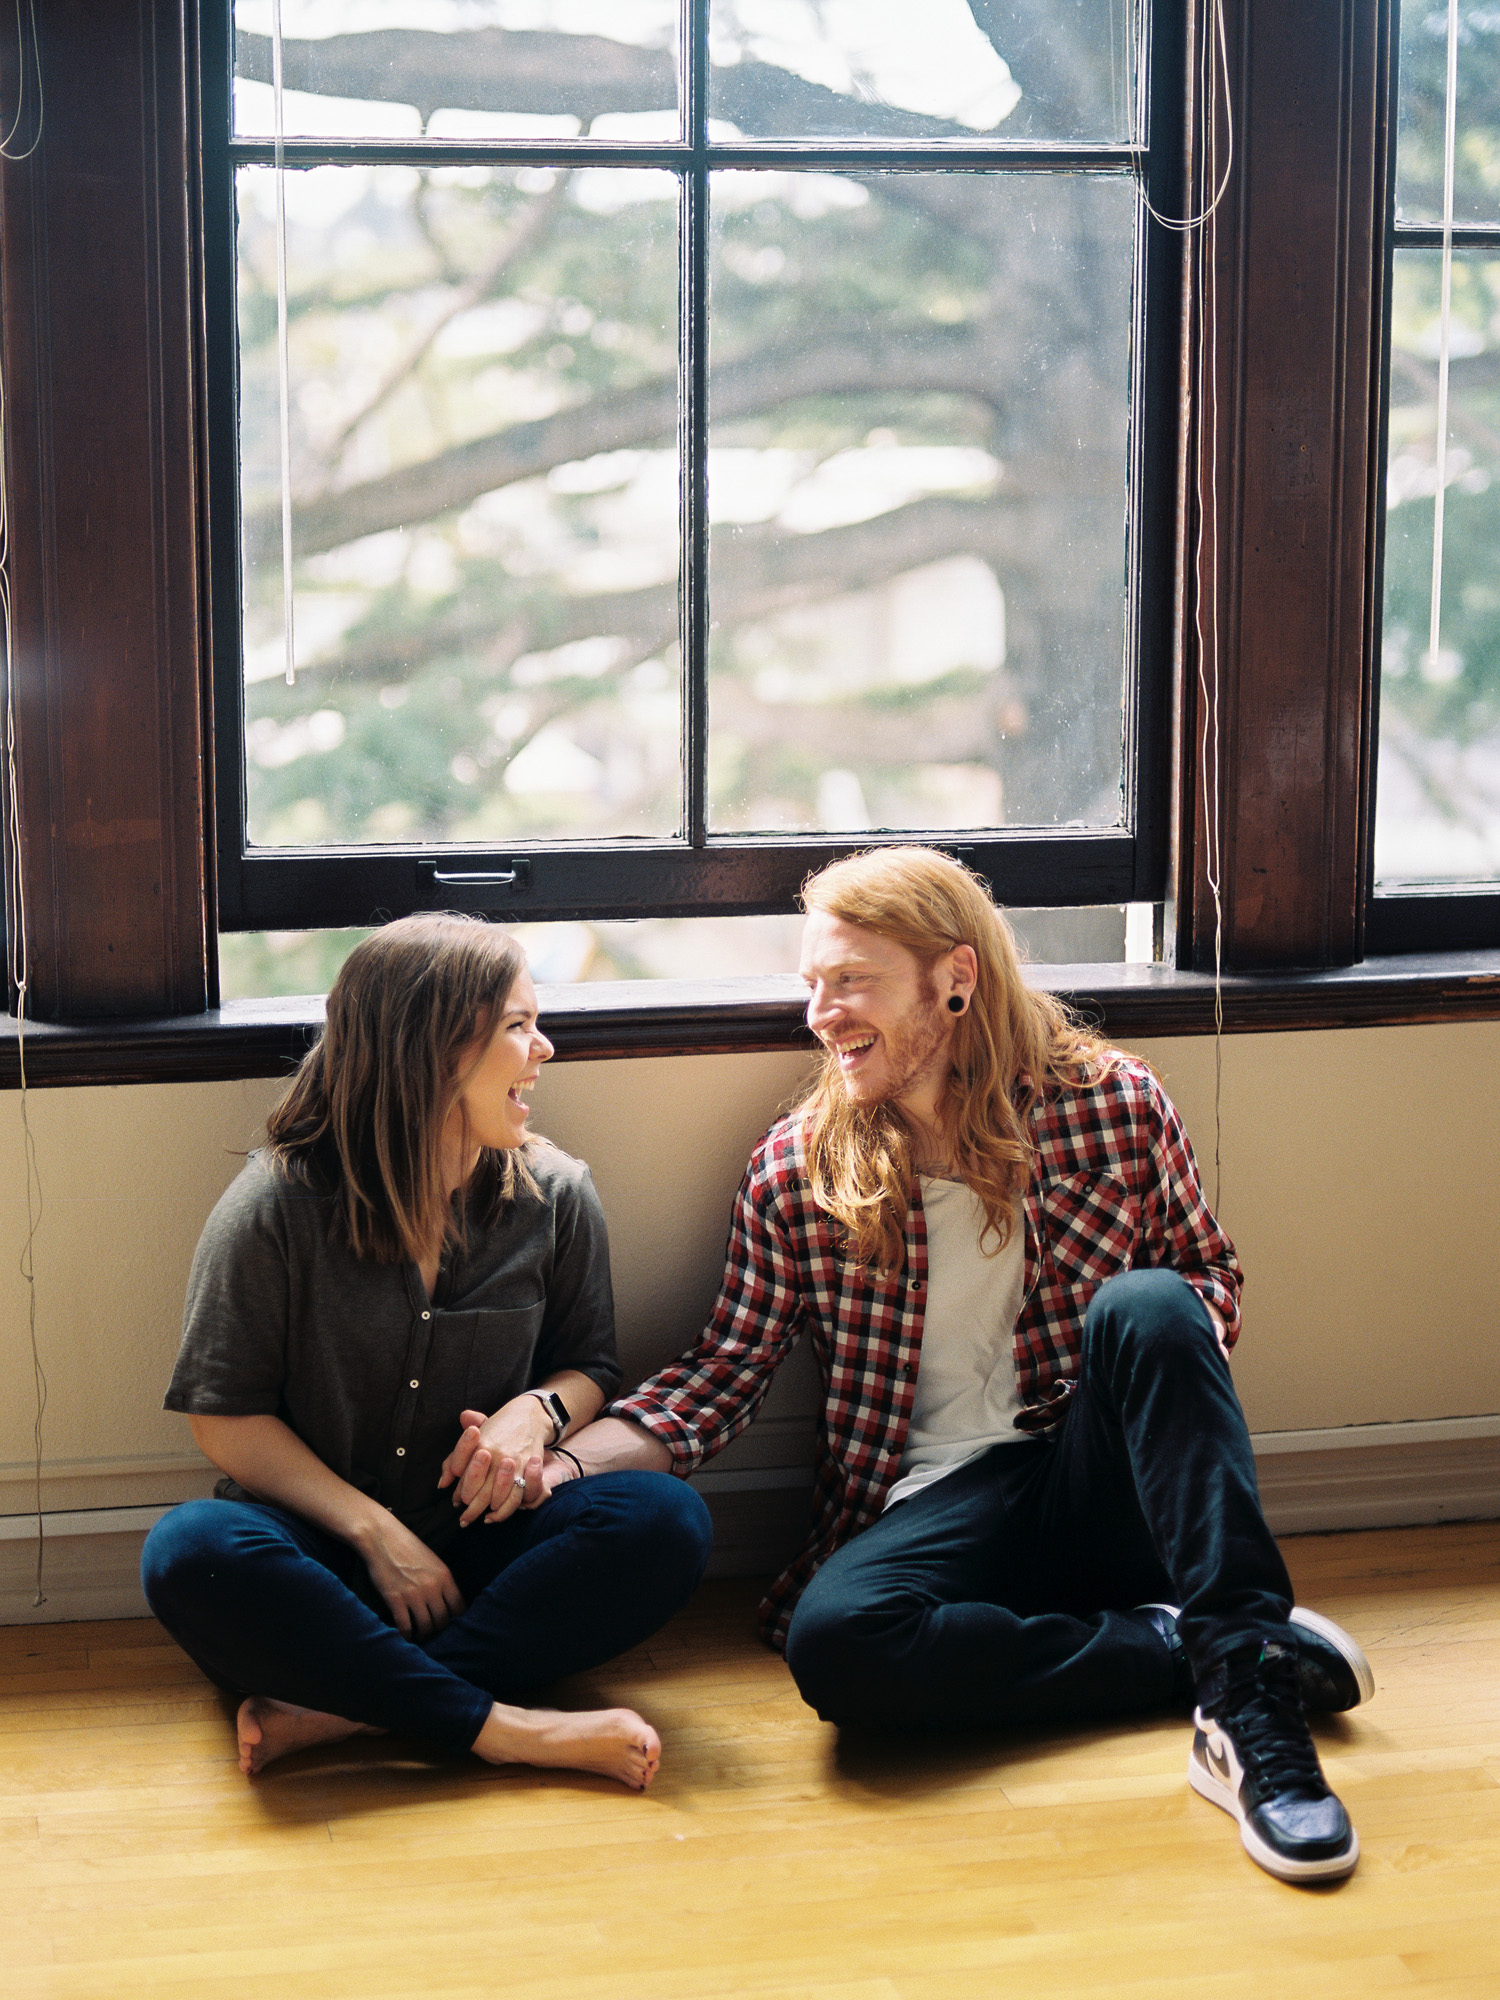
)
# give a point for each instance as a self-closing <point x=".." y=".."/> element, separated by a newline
<point x="1341" y="1641"/>
<point x="1331" y="1869"/>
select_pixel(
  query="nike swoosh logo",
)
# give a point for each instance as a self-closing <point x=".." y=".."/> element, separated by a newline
<point x="1218" y="1763"/>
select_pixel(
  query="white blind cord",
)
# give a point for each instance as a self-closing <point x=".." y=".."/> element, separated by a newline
<point x="15" y="897"/>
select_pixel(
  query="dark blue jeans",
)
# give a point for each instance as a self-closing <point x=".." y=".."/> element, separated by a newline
<point x="267" y="1604"/>
<point x="997" y="1596"/>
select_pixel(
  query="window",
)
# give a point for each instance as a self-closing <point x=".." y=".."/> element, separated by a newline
<point x="122" y="411"/>
<point x="706" y="442"/>
<point x="1437" y="820"/>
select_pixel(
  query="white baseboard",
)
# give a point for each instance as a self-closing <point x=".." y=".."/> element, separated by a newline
<point x="1380" y="1475"/>
<point x="1361" y="1476"/>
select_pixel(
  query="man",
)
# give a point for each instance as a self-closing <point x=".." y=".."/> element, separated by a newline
<point x="992" y="1229"/>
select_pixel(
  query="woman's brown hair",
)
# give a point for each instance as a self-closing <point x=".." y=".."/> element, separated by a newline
<point x="1010" y="1047"/>
<point x="409" y="1016"/>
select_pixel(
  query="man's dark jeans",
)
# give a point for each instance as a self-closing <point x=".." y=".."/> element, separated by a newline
<point x="1001" y="1594"/>
<point x="268" y="1604"/>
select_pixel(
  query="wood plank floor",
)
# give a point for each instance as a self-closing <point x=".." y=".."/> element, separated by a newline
<point x="767" y="1860"/>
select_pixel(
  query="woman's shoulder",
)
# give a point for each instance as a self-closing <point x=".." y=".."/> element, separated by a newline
<point x="558" y="1180"/>
<point x="264" y="1194"/>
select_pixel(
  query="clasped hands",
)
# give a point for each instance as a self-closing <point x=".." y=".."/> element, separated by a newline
<point x="501" y="1463"/>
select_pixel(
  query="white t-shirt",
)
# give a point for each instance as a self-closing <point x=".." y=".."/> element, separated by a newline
<point x="966" y="1395"/>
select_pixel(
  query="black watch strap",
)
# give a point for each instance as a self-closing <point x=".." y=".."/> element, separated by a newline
<point x="556" y="1409"/>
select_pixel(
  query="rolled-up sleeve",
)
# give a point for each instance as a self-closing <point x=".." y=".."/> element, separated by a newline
<point x="233" y="1357"/>
<point x="579" y="1328"/>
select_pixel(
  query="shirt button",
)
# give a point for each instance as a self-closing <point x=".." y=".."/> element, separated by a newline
<point x="401" y="1451"/>
<point x="413" y="1382"/>
<point x="427" y="1315"/>
<point x="916" y="1284"/>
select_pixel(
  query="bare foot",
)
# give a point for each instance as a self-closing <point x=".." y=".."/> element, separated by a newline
<point x="615" y="1742"/>
<point x="270" y="1729"/>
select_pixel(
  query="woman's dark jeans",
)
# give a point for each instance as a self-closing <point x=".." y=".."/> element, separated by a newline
<point x="267" y="1604"/>
<point x="1000" y="1595"/>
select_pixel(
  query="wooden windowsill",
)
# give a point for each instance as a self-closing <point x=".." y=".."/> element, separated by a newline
<point x="621" y="1018"/>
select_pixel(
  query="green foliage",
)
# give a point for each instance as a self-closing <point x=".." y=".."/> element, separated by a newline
<point x="1455" y="696"/>
<point x="1424" y="80"/>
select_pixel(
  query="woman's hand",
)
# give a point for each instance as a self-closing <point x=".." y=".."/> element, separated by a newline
<point x="496" y="1466"/>
<point x="418" y="1588"/>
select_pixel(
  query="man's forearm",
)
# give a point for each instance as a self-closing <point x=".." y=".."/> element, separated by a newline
<point x="613" y="1445"/>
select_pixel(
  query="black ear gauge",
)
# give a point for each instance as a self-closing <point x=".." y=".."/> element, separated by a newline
<point x="955" y="1003"/>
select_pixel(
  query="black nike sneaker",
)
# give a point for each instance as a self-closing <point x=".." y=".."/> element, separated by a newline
<point x="1332" y="1670"/>
<point x="1252" y="1756"/>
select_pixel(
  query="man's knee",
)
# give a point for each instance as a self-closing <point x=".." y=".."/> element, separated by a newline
<point x="1155" y="1310"/>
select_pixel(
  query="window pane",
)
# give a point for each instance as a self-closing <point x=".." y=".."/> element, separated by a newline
<point x="917" y="480"/>
<point x="484" y="476"/>
<point x="949" y="69"/>
<point x="258" y="965"/>
<point x="1438" y="804"/>
<point x="1424" y="82"/>
<point x="472" y="69"/>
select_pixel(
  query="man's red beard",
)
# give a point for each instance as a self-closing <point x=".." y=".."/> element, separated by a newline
<point x="910" y="1050"/>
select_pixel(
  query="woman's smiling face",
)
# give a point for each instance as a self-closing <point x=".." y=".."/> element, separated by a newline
<point x="492" y="1098"/>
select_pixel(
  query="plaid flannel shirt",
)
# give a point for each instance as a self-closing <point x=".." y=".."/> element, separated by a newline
<point x="1114" y="1186"/>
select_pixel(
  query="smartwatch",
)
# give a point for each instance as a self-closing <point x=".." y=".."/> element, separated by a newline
<point x="556" y="1409"/>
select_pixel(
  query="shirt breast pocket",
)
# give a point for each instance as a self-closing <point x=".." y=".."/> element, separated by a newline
<point x="479" y="1360"/>
<point x="502" y="1354"/>
<point x="1091" y="1225"/>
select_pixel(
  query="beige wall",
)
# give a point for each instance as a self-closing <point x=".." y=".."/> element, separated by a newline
<point x="1359" y="1180"/>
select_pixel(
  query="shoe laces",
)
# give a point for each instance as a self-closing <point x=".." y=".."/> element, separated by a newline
<point x="1261" y="1709"/>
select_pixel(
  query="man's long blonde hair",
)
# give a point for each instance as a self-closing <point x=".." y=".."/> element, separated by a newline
<point x="1011" y="1047"/>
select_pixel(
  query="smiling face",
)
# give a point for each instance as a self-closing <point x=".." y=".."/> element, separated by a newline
<point x="881" y="1012"/>
<point x="492" y="1099"/>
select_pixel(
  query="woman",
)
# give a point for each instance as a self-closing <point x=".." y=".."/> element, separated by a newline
<point x="396" y="1315"/>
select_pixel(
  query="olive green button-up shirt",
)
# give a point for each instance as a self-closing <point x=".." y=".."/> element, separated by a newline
<point x="283" y="1320"/>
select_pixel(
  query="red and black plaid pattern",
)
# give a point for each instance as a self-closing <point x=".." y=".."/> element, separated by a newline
<point x="1114" y="1187"/>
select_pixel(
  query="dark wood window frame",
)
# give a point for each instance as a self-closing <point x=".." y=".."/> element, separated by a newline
<point x="1408" y="916"/>
<point x="701" y="871"/>
<point x="101" y="258"/>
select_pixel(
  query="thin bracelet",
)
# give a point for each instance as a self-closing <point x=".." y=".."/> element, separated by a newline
<point x="558" y="1452"/>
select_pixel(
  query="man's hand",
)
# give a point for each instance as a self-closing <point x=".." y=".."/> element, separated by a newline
<point x="418" y="1588"/>
<point x="556" y="1471"/>
<point x="496" y="1466"/>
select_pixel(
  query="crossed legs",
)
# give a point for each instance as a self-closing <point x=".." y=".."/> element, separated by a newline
<point x="269" y="1606"/>
<point x="1004" y="1593"/>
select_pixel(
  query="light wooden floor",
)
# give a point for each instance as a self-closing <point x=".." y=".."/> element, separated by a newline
<point x="765" y="1861"/>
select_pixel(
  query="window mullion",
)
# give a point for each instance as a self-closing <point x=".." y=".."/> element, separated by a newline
<point x="693" y="432"/>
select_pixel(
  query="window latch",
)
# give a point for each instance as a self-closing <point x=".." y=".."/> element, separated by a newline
<point x="511" y="877"/>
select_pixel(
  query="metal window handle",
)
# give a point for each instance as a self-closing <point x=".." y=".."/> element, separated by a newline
<point x="513" y="875"/>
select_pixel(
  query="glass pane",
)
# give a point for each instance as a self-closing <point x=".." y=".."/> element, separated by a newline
<point x="949" y="69"/>
<point x="484" y="479"/>
<point x="258" y="965"/>
<point x="917" y="483"/>
<point x="1438" y="801"/>
<point x="1424" y="82"/>
<point x="461" y="69"/>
